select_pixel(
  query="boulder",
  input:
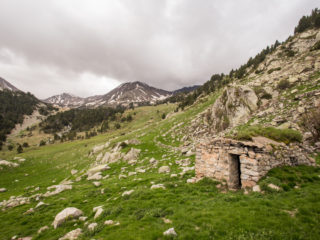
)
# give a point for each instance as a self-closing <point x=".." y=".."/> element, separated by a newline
<point x="74" y="234"/>
<point x="66" y="214"/>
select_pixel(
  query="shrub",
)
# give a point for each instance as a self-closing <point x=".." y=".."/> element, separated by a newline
<point x="10" y="147"/>
<point x="273" y="69"/>
<point x="19" y="149"/>
<point x="311" y="122"/>
<point x="316" y="46"/>
<point x="25" y="145"/>
<point x="117" y="126"/>
<point x="283" y="84"/>
<point x="163" y="116"/>
<point x="42" y="143"/>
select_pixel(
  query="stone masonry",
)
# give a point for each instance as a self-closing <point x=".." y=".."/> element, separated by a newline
<point x="241" y="164"/>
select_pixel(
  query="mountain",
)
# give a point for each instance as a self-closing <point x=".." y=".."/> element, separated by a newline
<point x="136" y="92"/>
<point x="6" y="85"/>
<point x="65" y="100"/>
<point x="126" y="93"/>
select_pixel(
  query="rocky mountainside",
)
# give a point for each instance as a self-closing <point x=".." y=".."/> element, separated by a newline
<point x="6" y="85"/>
<point x="126" y="93"/>
<point x="278" y="93"/>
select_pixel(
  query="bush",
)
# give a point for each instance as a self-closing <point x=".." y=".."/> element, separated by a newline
<point x="19" y="149"/>
<point x="42" y="143"/>
<point x="163" y="116"/>
<point x="283" y="84"/>
<point x="10" y="147"/>
<point x="117" y="126"/>
<point x="25" y="145"/>
<point x="311" y="122"/>
<point x="316" y="46"/>
<point x="273" y="69"/>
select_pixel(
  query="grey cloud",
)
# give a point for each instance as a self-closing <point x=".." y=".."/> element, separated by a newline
<point x="88" y="46"/>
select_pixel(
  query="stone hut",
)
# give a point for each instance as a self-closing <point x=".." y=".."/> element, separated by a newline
<point x="241" y="164"/>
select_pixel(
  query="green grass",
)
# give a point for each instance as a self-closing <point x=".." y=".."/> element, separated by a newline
<point x="197" y="211"/>
<point x="281" y="135"/>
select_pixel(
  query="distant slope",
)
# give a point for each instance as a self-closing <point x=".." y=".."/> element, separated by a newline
<point x="126" y="93"/>
<point x="6" y="85"/>
<point x="186" y="89"/>
<point x="65" y="100"/>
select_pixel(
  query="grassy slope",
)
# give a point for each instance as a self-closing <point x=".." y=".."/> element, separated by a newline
<point x="197" y="211"/>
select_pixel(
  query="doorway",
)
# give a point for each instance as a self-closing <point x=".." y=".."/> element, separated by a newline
<point x="234" y="172"/>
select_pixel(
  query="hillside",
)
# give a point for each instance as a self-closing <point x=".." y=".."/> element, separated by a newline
<point x="138" y="179"/>
<point x="8" y="86"/>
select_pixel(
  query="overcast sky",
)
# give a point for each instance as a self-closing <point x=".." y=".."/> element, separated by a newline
<point x="88" y="47"/>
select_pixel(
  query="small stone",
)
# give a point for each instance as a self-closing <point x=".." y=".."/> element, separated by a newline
<point x="275" y="187"/>
<point x="74" y="171"/>
<point x="127" y="193"/>
<point x="108" y="222"/>
<point x="43" y="229"/>
<point x="192" y="180"/>
<point x="157" y="186"/>
<point x="164" y="169"/>
<point x="167" y="221"/>
<point x="98" y="213"/>
<point x="74" y="234"/>
<point x="92" y="227"/>
<point x="40" y="204"/>
<point x="83" y="219"/>
<point x="3" y="190"/>
<point x="97" y="184"/>
<point x="256" y="188"/>
<point x="170" y="232"/>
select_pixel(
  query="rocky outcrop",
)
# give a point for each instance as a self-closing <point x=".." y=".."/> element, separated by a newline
<point x="232" y="108"/>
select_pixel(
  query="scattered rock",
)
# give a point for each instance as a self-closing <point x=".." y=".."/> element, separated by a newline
<point x="192" y="180"/>
<point x="97" y="184"/>
<point x="108" y="222"/>
<point x="275" y="187"/>
<point x="174" y="175"/>
<point x="92" y="227"/>
<point x="164" y="169"/>
<point x="74" y="234"/>
<point x="44" y="228"/>
<point x="256" y="188"/>
<point x="8" y="164"/>
<point x="31" y="210"/>
<point x="40" y="204"/>
<point x="98" y="168"/>
<point x="74" y="171"/>
<point x="167" y="221"/>
<point x="58" y="189"/>
<point x="96" y="176"/>
<point x="157" y="186"/>
<point x="98" y="211"/>
<point x="170" y="232"/>
<point x="127" y="193"/>
<point x="3" y="190"/>
<point x="66" y="214"/>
